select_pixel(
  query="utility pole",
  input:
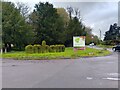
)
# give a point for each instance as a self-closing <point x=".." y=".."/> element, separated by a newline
<point x="100" y="34"/>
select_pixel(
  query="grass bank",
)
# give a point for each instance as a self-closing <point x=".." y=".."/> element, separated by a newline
<point x="69" y="53"/>
<point x="105" y="46"/>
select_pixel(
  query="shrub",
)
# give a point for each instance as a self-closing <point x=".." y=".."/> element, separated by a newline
<point x="57" y="48"/>
<point x="43" y="43"/>
<point x="47" y="48"/>
<point x="63" y="48"/>
<point x="29" y="49"/>
<point x="37" y="48"/>
<point x="60" y="48"/>
<point x="44" y="48"/>
<point x="52" y="48"/>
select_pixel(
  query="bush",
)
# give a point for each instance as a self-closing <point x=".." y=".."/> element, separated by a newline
<point x="52" y="48"/>
<point x="47" y="48"/>
<point x="44" y="48"/>
<point x="37" y="49"/>
<point x="63" y="48"/>
<point x="43" y="43"/>
<point x="29" y="49"/>
<point x="57" y="48"/>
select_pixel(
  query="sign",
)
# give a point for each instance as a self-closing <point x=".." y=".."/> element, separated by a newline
<point x="78" y="41"/>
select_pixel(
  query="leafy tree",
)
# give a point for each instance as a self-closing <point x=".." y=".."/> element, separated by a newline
<point x="15" y="30"/>
<point x="64" y="15"/>
<point x="0" y="24"/>
<point x="112" y="36"/>
<point x="24" y="9"/>
<point x="75" y="28"/>
<point x="48" y="25"/>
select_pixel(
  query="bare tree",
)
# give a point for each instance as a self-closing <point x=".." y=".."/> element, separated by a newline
<point x="74" y="11"/>
<point x="77" y="13"/>
<point x="24" y="9"/>
<point x="70" y="11"/>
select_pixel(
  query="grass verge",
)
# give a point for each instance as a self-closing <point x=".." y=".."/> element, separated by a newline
<point x="69" y="53"/>
<point x="105" y="46"/>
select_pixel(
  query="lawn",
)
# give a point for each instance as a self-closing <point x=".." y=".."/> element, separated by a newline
<point x="105" y="46"/>
<point x="69" y="53"/>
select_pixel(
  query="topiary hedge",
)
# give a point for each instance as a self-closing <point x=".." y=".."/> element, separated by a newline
<point x="37" y="48"/>
<point x="29" y="49"/>
<point x="44" y="48"/>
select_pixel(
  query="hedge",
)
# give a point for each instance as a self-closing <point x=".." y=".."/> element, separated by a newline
<point x="29" y="49"/>
<point x="37" y="48"/>
<point x="44" y="48"/>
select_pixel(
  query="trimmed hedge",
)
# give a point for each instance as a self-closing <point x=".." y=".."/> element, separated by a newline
<point x="44" y="48"/>
<point x="29" y="49"/>
<point x="37" y="48"/>
<point x="43" y="43"/>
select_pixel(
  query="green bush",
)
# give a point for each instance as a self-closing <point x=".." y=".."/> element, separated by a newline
<point x="60" y="48"/>
<point x="44" y="48"/>
<point x="37" y="48"/>
<point x="47" y="48"/>
<point x="43" y="43"/>
<point x="57" y="48"/>
<point x="51" y="48"/>
<point x="63" y="48"/>
<point x="29" y="49"/>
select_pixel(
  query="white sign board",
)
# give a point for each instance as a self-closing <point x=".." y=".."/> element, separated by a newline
<point x="78" y="41"/>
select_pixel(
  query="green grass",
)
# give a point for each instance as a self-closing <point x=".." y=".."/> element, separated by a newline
<point x="69" y="53"/>
<point x="105" y="46"/>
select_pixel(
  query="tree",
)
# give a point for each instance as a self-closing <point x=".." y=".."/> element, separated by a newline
<point x="74" y="28"/>
<point x="88" y="35"/>
<point x="112" y="36"/>
<point x="24" y="9"/>
<point x="15" y="30"/>
<point x="48" y="25"/>
<point x="70" y="11"/>
<point x="0" y="25"/>
<point x="64" y="15"/>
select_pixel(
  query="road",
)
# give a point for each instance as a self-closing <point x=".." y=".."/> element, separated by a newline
<point x="95" y="72"/>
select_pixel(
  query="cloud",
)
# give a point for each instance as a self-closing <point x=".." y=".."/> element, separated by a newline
<point x="98" y="15"/>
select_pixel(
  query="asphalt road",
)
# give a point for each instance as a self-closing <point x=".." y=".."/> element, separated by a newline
<point x="96" y="72"/>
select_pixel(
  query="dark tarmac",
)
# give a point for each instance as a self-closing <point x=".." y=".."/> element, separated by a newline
<point x="95" y="72"/>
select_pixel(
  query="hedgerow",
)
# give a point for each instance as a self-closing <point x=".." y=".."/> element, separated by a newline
<point x="29" y="49"/>
<point x="37" y="48"/>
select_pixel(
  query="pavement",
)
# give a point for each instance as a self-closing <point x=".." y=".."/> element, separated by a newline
<point x="94" y="72"/>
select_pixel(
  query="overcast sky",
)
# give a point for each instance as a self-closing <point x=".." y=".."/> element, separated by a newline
<point x="97" y="15"/>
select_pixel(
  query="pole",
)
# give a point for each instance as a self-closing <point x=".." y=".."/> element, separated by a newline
<point x="100" y="34"/>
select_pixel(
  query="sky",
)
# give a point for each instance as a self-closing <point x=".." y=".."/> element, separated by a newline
<point x="97" y="15"/>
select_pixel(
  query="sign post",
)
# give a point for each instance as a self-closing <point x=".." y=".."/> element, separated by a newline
<point x="79" y="43"/>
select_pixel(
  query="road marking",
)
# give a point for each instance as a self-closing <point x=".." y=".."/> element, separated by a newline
<point x="89" y="78"/>
<point x="115" y="79"/>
